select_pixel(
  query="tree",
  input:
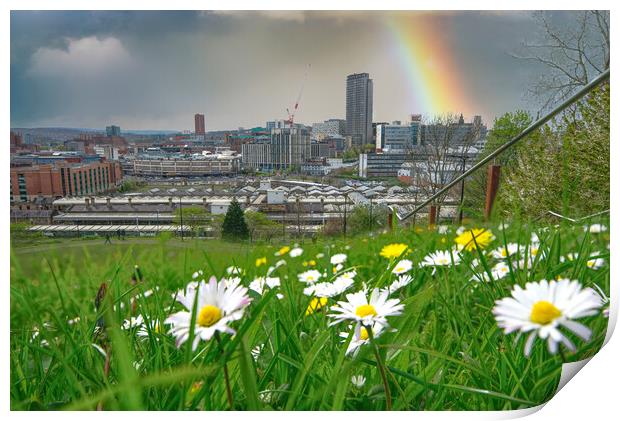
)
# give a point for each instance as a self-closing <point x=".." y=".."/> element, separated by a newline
<point x="504" y="129"/>
<point x="194" y="217"/>
<point x="573" y="54"/>
<point x="365" y="218"/>
<point x="566" y="168"/>
<point x="443" y="155"/>
<point x="234" y="226"/>
<point x="259" y="226"/>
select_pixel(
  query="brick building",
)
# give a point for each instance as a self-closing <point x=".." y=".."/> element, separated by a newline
<point x="63" y="179"/>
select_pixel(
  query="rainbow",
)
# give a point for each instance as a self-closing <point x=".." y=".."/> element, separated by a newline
<point x="434" y="80"/>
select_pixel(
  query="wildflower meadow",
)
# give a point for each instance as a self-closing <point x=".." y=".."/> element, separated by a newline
<point x="430" y="318"/>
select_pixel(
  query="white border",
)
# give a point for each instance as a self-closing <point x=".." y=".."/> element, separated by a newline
<point x="591" y="395"/>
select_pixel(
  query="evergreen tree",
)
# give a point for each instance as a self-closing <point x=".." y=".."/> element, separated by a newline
<point x="234" y="226"/>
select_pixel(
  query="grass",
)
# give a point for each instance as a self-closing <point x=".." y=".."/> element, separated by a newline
<point x="445" y="352"/>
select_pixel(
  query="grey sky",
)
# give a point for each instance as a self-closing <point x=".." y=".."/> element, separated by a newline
<point x="154" y="70"/>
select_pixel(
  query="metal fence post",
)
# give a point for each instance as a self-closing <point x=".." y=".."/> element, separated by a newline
<point x="493" y="173"/>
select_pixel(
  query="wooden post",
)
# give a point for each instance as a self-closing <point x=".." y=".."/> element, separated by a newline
<point x="432" y="215"/>
<point x="390" y="220"/>
<point x="492" y="185"/>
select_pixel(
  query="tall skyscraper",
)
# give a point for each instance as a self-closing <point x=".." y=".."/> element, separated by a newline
<point x="199" y="124"/>
<point x="359" y="109"/>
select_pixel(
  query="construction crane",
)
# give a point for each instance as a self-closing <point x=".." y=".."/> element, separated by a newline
<point x="291" y="116"/>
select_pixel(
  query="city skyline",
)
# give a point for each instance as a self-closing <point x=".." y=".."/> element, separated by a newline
<point x="140" y="71"/>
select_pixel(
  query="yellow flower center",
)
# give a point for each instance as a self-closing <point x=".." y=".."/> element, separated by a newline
<point x="504" y="253"/>
<point x="209" y="315"/>
<point x="590" y="263"/>
<point x="365" y="310"/>
<point x="544" y="313"/>
<point x="363" y="334"/>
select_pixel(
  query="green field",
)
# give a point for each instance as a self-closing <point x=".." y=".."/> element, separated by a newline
<point x="444" y="352"/>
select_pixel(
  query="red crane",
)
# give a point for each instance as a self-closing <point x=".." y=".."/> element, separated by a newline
<point x="291" y="116"/>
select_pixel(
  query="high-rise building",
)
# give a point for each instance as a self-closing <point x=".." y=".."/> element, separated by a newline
<point x="290" y="146"/>
<point x="113" y="131"/>
<point x="359" y="109"/>
<point x="199" y="124"/>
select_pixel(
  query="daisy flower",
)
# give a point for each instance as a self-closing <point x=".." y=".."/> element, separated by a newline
<point x="500" y="270"/>
<point x="338" y="259"/>
<point x="320" y="255"/>
<point x="155" y="327"/>
<point x="400" y="282"/>
<point x="441" y="258"/>
<point x="234" y="270"/>
<point x="132" y="322"/>
<point x="337" y="268"/>
<point x="331" y="289"/>
<point x="366" y="310"/>
<point x="595" y="228"/>
<point x="217" y="307"/>
<point x="505" y="251"/>
<point x="258" y="284"/>
<point x="542" y="308"/>
<point x="403" y="266"/>
<point x="604" y="300"/>
<point x="296" y="252"/>
<point x="442" y="229"/>
<point x="358" y="381"/>
<point x="309" y="276"/>
<point x="595" y="262"/>
<point x="392" y="251"/>
<point x="483" y="237"/>
<point x="196" y="274"/>
<point x="360" y="337"/>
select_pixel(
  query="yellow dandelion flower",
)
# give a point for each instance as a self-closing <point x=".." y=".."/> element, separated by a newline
<point x="283" y="251"/>
<point x="392" y="251"/>
<point x="261" y="261"/>
<point x="315" y="305"/>
<point x="311" y="263"/>
<point x="466" y="239"/>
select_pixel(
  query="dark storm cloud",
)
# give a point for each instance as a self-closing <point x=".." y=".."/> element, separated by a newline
<point x="154" y="70"/>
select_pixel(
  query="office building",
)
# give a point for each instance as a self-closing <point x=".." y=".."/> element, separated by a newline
<point x="257" y="156"/>
<point x="359" y="109"/>
<point x="380" y="164"/>
<point x="211" y="164"/>
<point x="63" y="179"/>
<point x="113" y="131"/>
<point x="290" y="147"/>
<point x="199" y="124"/>
<point x="329" y="128"/>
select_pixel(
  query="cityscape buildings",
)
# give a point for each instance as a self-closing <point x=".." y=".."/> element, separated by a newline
<point x="329" y="128"/>
<point x="359" y="96"/>
<point x="113" y="131"/>
<point x="63" y="179"/>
